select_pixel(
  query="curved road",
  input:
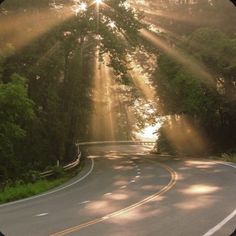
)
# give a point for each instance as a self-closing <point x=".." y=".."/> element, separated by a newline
<point x="132" y="193"/>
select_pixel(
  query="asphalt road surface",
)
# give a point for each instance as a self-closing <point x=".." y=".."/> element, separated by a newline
<point x="125" y="191"/>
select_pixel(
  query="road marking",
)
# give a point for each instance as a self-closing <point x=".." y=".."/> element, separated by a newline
<point x="221" y="224"/>
<point x="54" y="191"/>
<point x="122" y="187"/>
<point x="226" y="164"/>
<point x="42" y="214"/>
<point x="84" y="202"/>
<point x="165" y="189"/>
<point x="229" y="217"/>
<point x="107" y="194"/>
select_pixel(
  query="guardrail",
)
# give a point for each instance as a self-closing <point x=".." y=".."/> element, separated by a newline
<point x="122" y="142"/>
<point x="116" y="143"/>
<point x="66" y="167"/>
<point x="72" y="165"/>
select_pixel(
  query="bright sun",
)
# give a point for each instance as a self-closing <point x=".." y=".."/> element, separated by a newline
<point x="83" y="6"/>
<point x="98" y="1"/>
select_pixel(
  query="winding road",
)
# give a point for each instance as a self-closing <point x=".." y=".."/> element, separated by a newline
<point x="124" y="190"/>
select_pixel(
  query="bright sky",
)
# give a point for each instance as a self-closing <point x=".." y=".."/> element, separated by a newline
<point x="148" y="133"/>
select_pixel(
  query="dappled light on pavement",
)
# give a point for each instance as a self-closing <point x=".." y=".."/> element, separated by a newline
<point x="100" y="206"/>
<point x="196" y="203"/>
<point x="118" y="196"/>
<point x="201" y="189"/>
<point x="200" y="164"/>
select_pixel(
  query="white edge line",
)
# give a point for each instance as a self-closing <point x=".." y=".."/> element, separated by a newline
<point x="230" y="216"/>
<point x="42" y="214"/>
<point x="54" y="191"/>
<point x="226" y="164"/>
<point x="221" y="224"/>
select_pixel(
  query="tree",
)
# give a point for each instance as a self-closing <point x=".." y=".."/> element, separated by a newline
<point x="211" y="107"/>
<point x="16" y="110"/>
<point x="59" y="66"/>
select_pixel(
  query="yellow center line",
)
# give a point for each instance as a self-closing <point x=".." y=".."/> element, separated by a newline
<point x="165" y="189"/>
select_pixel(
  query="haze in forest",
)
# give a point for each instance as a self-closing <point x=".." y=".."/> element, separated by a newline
<point x="73" y="71"/>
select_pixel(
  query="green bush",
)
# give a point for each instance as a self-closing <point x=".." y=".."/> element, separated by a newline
<point x="58" y="172"/>
<point x="21" y="190"/>
<point x="31" y="176"/>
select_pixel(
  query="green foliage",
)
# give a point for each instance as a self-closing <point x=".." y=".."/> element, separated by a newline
<point x="58" y="172"/>
<point x="22" y="190"/>
<point x="14" y="101"/>
<point x="59" y="67"/>
<point x="231" y="157"/>
<point x="1" y="66"/>
<point x="164" y="144"/>
<point x="211" y="107"/>
<point x="31" y="176"/>
<point x="215" y="49"/>
<point x="16" y="109"/>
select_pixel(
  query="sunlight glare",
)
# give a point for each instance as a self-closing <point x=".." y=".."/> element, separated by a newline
<point x="112" y="25"/>
<point x="80" y="8"/>
<point x="149" y="132"/>
<point x="98" y="2"/>
<point x="83" y="6"/>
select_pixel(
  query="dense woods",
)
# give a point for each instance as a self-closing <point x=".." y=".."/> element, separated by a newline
<point x="46" y="76"/>
<point x="198" y="90"/>
<point x="51" y="108"/>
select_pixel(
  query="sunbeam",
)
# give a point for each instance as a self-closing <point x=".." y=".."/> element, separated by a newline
<point x="190" y="63"/>
<point x="25" y="27"/>
<point x="184" y="135"/>
<point x="103" y="119"/>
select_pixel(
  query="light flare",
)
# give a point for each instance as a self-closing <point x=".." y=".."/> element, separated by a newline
<point x="83" y="6"/>
<point x="112" y="25"/>
<point x="98" y="2"/>
<point x="80" y="8"/>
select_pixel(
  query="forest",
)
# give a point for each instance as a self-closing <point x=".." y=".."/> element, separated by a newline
<point x="51" y="53"/>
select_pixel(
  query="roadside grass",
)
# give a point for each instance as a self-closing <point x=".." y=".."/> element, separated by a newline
<point x="20" y="191"/>
<point x="225" y="157"/>
<point x="23" y="190"/>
